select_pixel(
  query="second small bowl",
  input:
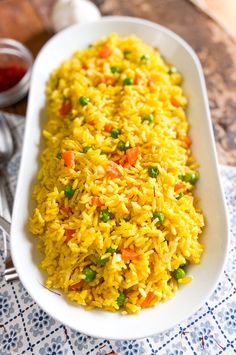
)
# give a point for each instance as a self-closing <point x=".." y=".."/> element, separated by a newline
<point x="15" y="71"/>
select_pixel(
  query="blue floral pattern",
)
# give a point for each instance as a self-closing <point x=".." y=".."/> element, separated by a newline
<point x="217" y="292"/>
<point x="26" y="329"/>
<point x="130" y="347"/>
<point x="6" y="305"/>
<point x="24" y="296"/>
<point x="177" y="349"/>
<point x="11" y="340"/>
<point x="39" y="321"/>
<point x="203" y="334"/>
<point x="228" y="317"/>
<point x="55" y="348"/>
<point x="232" y="266"/>
<point x="163" y="337"/>
<point x="82" y="341"/>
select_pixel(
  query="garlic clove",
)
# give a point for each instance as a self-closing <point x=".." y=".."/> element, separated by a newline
<point x="69" y="12"/>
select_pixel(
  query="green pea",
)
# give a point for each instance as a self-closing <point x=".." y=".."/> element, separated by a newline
<point x="100" y="261"/>
<point x="55" y="82"/>
<point x="127" y="54"/>
<point x="83" y="100"/>
<point x="190" y="177"/>
<point x="105" y="215"/>
<point x="159" y="217"/>
<point x="121" y="146"/>
<point x="115" y="70"/>
<point x="59" y="155"/>
<point x="128" y="81"/>
<point x="172" y="70"/>
<point x="121" y="299"/>
<point x="115" y="132"/>
<point x="179" y="196"/>
<point x="179" y="273"/>
<point x="90" y="46"/>
<point x="144" y="58"/>
<point x="87" y="149"/>
<point x="69" y="191"/>
<point x="104" y="153"/>
<point x="148" y="118"/>
<point x="153" y="171"/>
<point x="89" y="274"/>
<point x="111" y="250"/>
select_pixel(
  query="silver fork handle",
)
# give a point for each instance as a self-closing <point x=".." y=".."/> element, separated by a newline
<point x="4" y="211"/>
<point x="4" y="208"/>
<point x="10" y="271"/>
<point x="5" y="225"/>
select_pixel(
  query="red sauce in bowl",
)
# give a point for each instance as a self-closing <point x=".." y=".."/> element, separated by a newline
<point x="11" y="74"/>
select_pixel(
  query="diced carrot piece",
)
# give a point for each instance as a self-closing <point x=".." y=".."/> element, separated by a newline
<point x="112" y="170"/>
<point x="151" y="85"/>
<point x="69" y="234"/>
<point x="105" y="52"/>
<point x="132" y="155"/>
<point x="95" y="201"/>
<point x="187" y="141"/>
<point x="67" y="210"/>
<point x="126" y="165"/>
<point x="129" y="254"/>
<point x="76" y="286"/>
<point x="108" y="128"/>
<point x="84" y="66"/>
<point x="175" y="102"/>
<point x="137" y="79"/>
<point x="92" y="123"/>
<point x="178" y="186"/>
<point x="101" y="65"/>
<point x="147" y="300"/>
<point x="65" y="108"/>
<point x="69" y="158"/>
<point x="108" y="79"/>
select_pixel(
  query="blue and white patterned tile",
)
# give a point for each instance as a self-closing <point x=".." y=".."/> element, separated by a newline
<point x="81" y="343"/>
<point x="179" y="346"/>
<point x="201" y="314"/>
<point x="9" y="308"/>
<point x="38" y="323"/>
<point x="55" y="344"/>
<point x="232" y="241"/>
<point x="225" y="317"/>
<point x="130" y="347"/>
<point x="229" y="350"/>
<point x="233" y="344"/>
<point x="12" y="338"/>
<point x="7" y="305"/>
<point x="229" y="183"/>
<point x="206" y="338"/>
<point x="222" y="291"/>
<point x="23" y="295"/>
<point x="161" y="340"/>
<point x="231" y="267"/>
<point x="102" y="347"/>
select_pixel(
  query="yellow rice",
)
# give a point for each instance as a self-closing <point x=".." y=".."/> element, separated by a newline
<point x="133" y="196"/>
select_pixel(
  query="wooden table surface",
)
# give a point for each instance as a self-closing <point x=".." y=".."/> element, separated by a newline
<point x="29" y="21"/>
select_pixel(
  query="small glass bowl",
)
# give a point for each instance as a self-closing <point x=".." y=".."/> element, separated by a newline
<point x="13" y="53"/>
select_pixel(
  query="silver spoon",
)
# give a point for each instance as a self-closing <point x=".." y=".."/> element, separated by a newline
<point x="6" y="152"/>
